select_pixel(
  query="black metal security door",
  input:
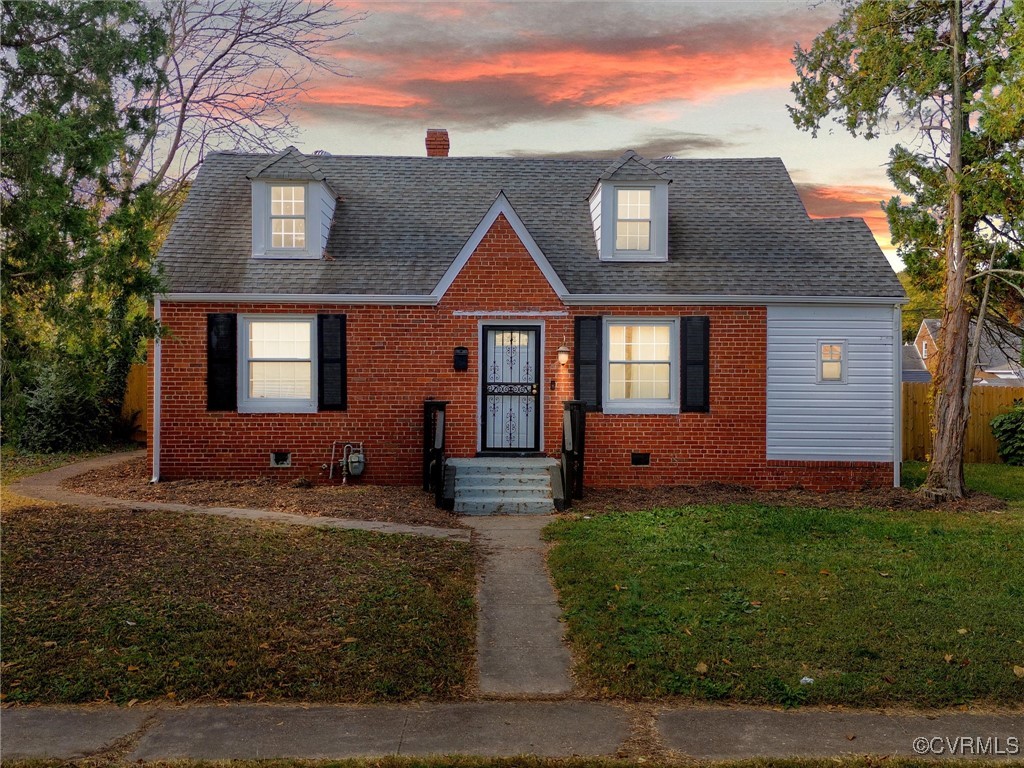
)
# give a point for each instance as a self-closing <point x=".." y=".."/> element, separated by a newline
<point x="511" y="389"/>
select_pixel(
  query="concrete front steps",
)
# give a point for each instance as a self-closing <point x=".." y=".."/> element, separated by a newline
<point x="501" y="485"/>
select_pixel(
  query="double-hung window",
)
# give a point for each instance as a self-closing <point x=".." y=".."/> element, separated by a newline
<point x="642" y="368"/>
<point x="276" y="364"/>
<point x="831" y="362"/>
<point x="633" y="219"/>
<point x="288" y="217"/>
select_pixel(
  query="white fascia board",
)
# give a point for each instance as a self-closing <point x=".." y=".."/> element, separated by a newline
<point x="501" y="206"/>
<point x="303" y="298"/>
<point x="642" y="299"/>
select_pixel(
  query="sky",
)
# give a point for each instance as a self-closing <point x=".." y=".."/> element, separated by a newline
<point x="592" y="79"/>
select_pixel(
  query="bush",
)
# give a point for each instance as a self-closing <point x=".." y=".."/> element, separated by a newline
<point x="1008" y="429"/>
<point x="64" y="411"/>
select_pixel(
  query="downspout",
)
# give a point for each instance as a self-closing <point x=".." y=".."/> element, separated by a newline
<point x="897" y="427"/>
<point x="155" y="437"/>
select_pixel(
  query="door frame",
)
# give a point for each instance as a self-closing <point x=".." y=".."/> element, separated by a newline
<point x="523" y="323"/>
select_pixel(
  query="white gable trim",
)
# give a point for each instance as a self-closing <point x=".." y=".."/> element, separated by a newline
<point x="500" y="206"/>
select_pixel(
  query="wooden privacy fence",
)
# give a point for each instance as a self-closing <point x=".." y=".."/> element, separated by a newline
<point x="135" y="400"/>
<point x="987" y="402"/>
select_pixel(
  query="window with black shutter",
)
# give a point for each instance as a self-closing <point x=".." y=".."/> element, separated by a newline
<point x="589" y="361"/>
<point x="221" y="362"/>
<point x="693" y="353"/>
<point x="332" y="363"/>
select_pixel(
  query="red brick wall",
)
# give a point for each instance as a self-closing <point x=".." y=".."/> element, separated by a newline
<point x="400" y="355"/>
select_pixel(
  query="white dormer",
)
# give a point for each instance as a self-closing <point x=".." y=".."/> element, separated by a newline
<point x="629" y="209"/>
<point x="292" y="208"/>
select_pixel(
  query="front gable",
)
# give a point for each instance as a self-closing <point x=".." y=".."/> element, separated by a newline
<point x="501" y="260"/>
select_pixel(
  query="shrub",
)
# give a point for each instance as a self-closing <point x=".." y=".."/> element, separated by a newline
<point x="1008" y="429"/>
<point x="64" y="411"/>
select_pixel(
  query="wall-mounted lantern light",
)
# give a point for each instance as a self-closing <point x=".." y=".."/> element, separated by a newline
<point x="563" y="354"/>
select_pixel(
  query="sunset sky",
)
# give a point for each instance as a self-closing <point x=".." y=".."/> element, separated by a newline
<point x="688" y="79"/>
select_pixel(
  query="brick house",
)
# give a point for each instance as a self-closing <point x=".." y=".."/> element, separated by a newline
<point x="999" y="354"/>
<point x="714" y="331"/>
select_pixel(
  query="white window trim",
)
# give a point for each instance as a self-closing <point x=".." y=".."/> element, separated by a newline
<point x="671" y="405"/>
<point x="659" y="222"/>
<point x="262" y="235"/>
<point x="279" y="405"/>
<point x="844" y="362"/>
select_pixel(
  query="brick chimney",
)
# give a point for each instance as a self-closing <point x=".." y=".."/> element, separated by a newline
<point x="437" y="142"/>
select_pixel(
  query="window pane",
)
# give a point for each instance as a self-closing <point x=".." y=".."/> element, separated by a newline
<point x="279" y="340"/>
<point x="639" y="342"/>
<point x="639" y="381"/>
<point x="832" y="371"/>
<point x="280" y="380"/>
<point x="289" y="233"/>
<point x="632" y="235"/>
<point x="634" y="203"/>
<point x="287" y="201"/>
<point x="831" y="352"/>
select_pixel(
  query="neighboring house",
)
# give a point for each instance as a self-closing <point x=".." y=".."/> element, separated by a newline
<point x="914" y="368"/>
<point x="999" y="354"/>
<point x="715" y="331"/>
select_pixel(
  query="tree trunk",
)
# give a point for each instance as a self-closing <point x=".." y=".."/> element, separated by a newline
<point x="952" y="408"/>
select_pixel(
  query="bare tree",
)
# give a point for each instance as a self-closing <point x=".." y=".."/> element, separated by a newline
<point x="233" y="71"/>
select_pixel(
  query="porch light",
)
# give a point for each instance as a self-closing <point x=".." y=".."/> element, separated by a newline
<point x="563" y="355"/>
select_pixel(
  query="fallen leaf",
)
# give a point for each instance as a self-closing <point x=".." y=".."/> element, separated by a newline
<point x="851" y="736"/>
<point x="888" y="679"/>
<point x="825" y="572"/>
<point x="1018" y="671"/>
<point x="132" y="703"/>
<point x="780" y="572"/>
<point x="172" y="695"/>
<point x="619" y="587"/>
<point x="265" y="646"/>
<point x="133" y="668"/>
<point x="884" y="575"/>
<point x="50" y="644"/>
<point x="686" y="630"/>
<point x="350" y="640"/>
<point x="756" y="603"/>
<point x="948" y="658"/>
<point x="701" y="668"/>
<point x="727" y="662"/>
<point x="231" y="663"/>
<point x="961" y="631"/>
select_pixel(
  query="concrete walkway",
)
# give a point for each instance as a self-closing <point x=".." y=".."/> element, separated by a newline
<point x="46" y="486"/>
<point x="520" y="651"/>
<point x="495" y="728"/>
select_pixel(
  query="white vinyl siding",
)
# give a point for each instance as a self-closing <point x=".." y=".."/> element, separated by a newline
<point x="595" y="214"/>
<point x="811" y="420"/>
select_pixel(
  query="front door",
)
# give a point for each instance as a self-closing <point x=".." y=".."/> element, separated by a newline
<point x="510" y="420"/>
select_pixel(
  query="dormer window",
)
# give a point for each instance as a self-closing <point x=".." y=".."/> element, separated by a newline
<point x="292" y="207"/>
<point x="633" y="219"/>
<point x="629" y="209"/>
<point x="287" y="216"/>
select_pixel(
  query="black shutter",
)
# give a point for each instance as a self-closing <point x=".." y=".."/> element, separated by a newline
<point x="222" y="362"/>
<point x="588" y="362"/>
<point x="693" y="355"/>
<point x="332" y="363"/>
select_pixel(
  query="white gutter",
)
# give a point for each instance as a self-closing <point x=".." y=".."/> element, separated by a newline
<point x="304" y="298"/>
<point x="651" y="299"/>
<point x="897" y="428"/>
<point x="579" y="299"/>
<point x="155" y="437"/>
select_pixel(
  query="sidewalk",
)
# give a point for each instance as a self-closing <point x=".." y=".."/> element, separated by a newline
<point x="46" y="486"/>
<point x="491" y="728"/>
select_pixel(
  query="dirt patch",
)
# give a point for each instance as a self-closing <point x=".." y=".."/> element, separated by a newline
<point x="636" y="499"/>
<point x="393" y="504"/>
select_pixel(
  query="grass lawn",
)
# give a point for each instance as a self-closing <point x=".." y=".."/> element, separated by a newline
<point x="124" y="605"/>
<point x="740" y="602"/>
<point x="1000" y="480"/>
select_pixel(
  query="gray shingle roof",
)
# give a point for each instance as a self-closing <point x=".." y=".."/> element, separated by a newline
<point x="736" y="228"/>
<point x="1000" y="347"/>
<point x="914" y="368"/>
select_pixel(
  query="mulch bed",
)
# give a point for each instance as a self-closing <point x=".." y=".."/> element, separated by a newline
<point x="392" y="504"/>
<point x="603" y="500"/>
